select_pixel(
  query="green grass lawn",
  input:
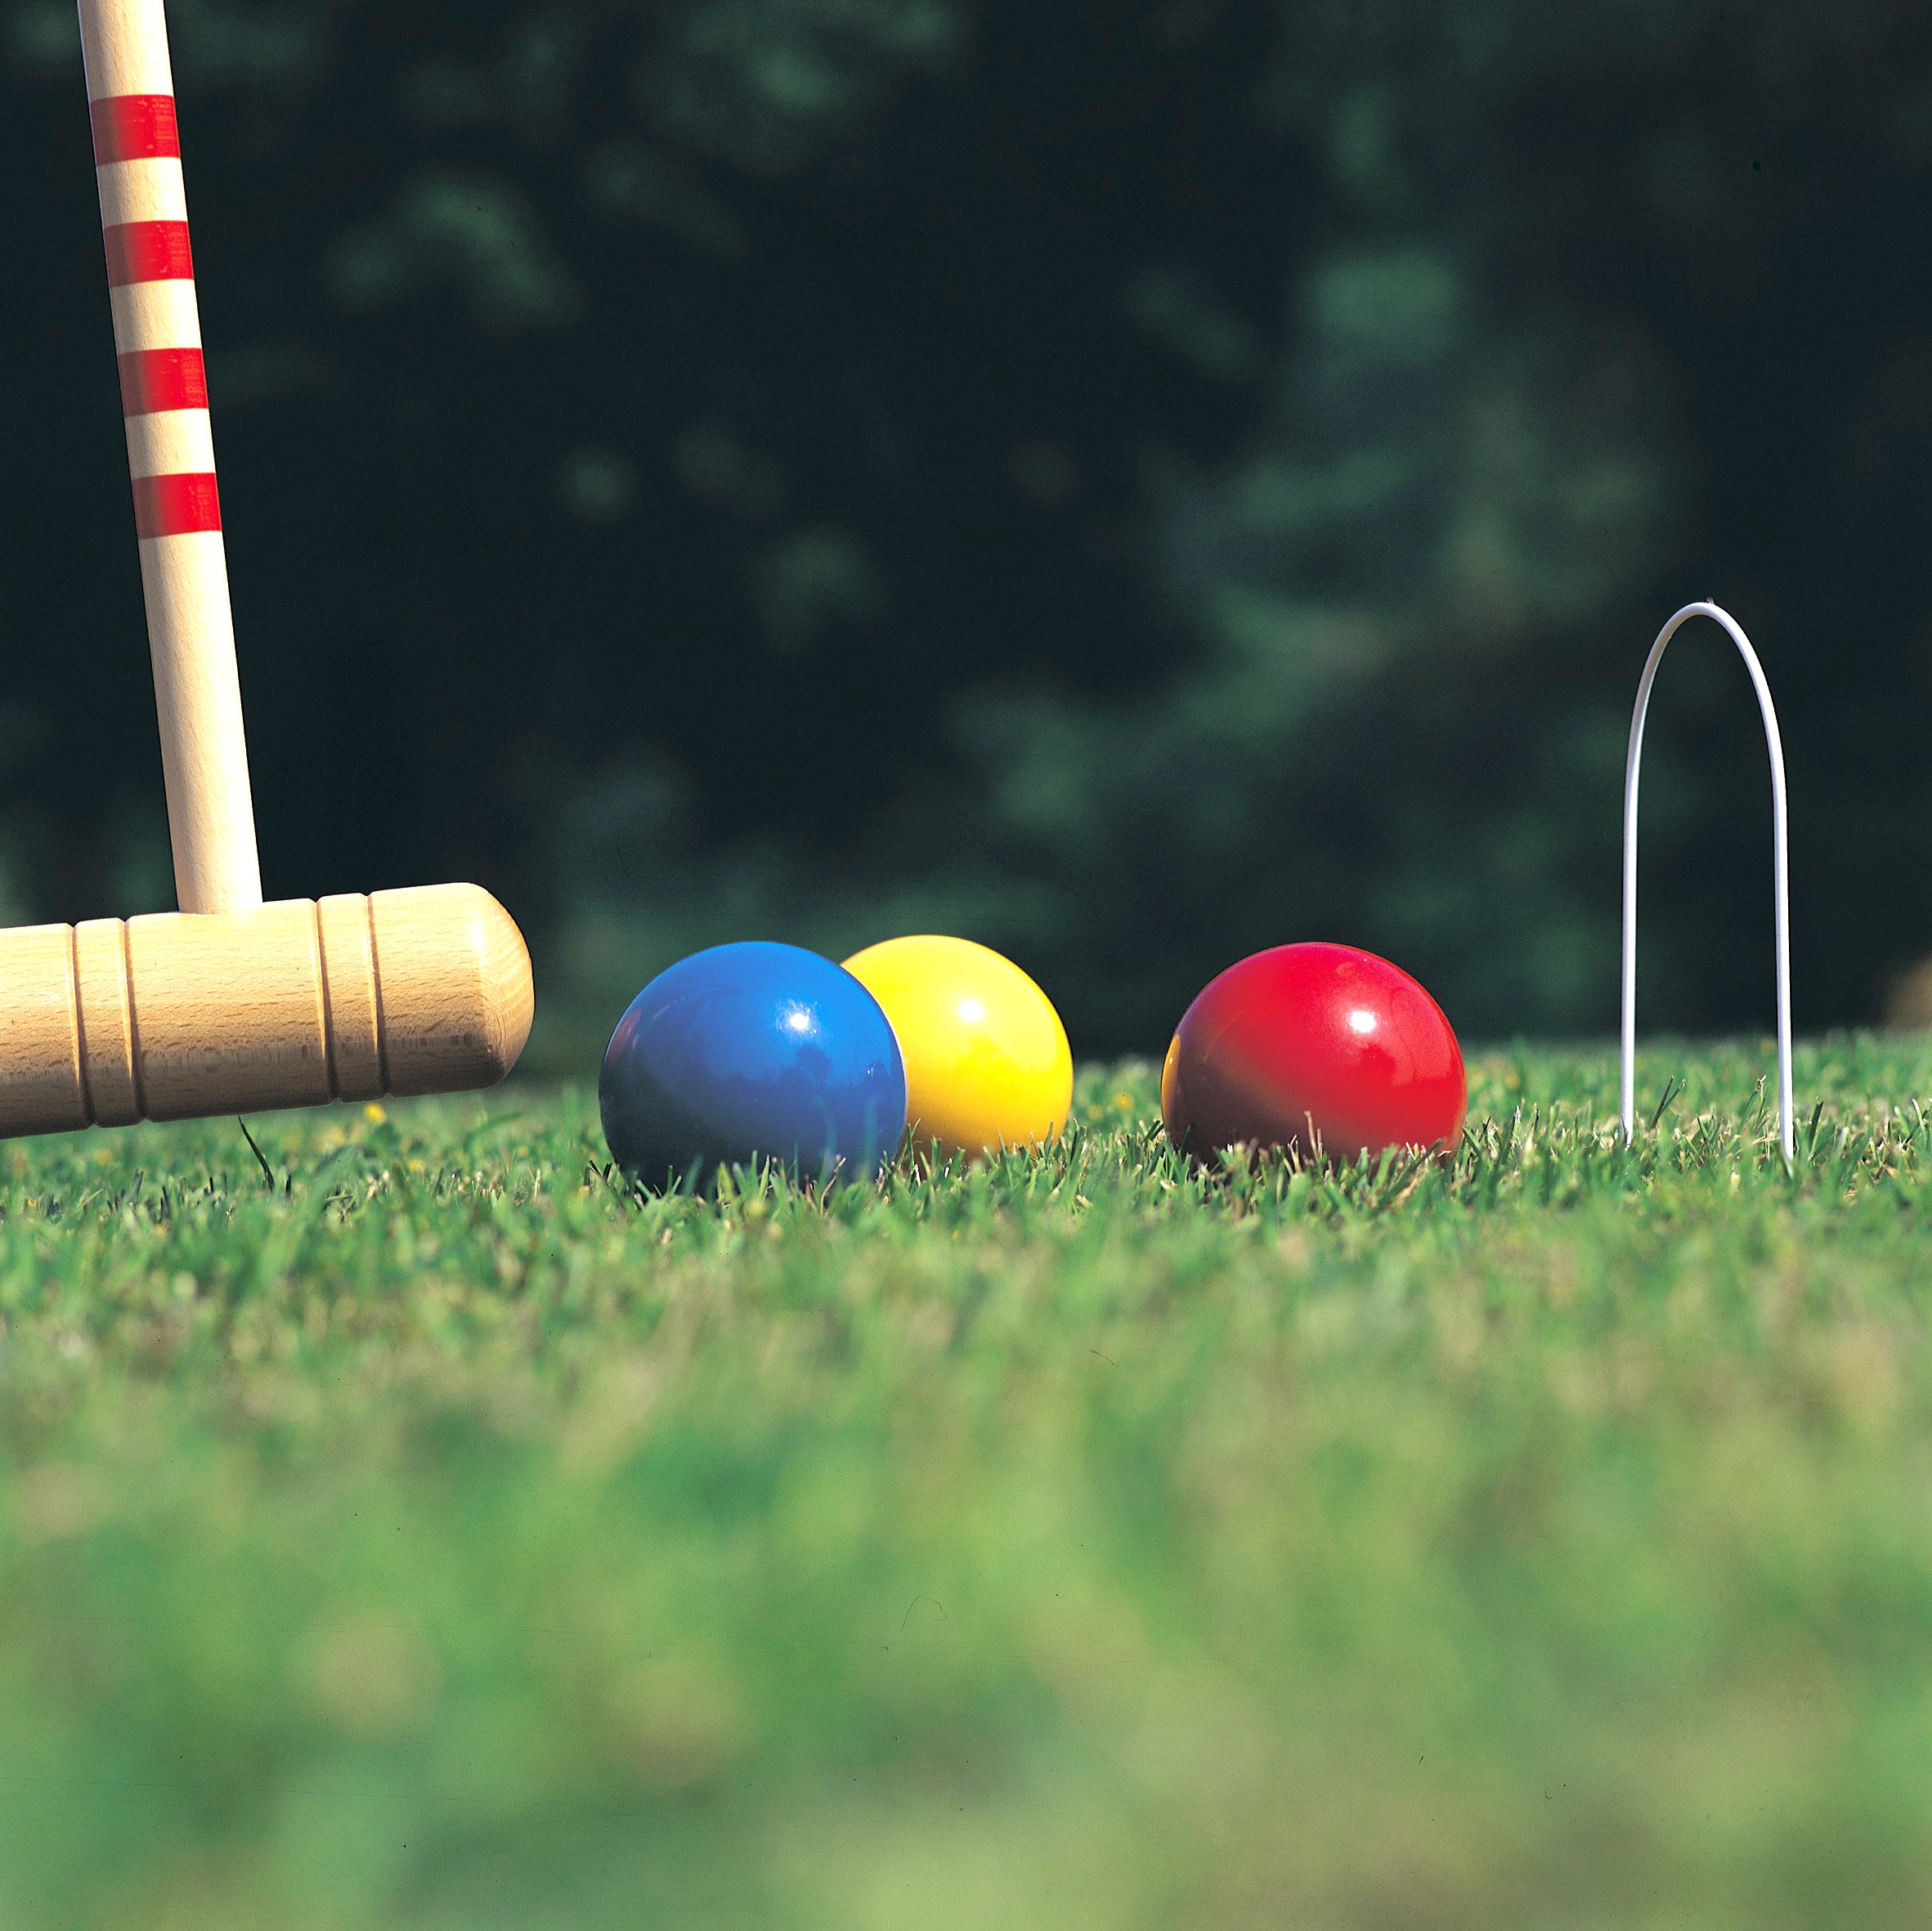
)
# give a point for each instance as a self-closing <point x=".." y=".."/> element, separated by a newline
<point x="438" y="1536"/>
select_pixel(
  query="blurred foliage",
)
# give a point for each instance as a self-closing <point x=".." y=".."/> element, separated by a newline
<point x="1134" y="484"/>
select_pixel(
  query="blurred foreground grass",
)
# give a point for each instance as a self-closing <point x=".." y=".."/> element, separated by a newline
<point x="436" y="1536"/>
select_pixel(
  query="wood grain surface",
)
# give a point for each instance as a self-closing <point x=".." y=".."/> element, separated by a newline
<point x="182" y="1014"/>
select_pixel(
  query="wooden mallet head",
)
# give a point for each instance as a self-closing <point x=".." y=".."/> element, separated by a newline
<point x="229" y="1005"/>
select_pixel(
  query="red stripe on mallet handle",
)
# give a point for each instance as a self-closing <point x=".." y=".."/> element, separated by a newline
<point x="228" y="1004"/>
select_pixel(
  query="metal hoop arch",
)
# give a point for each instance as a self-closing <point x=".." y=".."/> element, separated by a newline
<point x="1781" y="867"/>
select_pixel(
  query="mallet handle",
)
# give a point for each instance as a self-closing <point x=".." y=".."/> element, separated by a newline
<point x="171" y="453"/>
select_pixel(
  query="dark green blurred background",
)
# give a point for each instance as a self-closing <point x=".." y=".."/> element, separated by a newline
<point x="1132" y="482"/>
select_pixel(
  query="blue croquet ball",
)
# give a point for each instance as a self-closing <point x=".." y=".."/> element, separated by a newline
<point x="752" y="1053"/>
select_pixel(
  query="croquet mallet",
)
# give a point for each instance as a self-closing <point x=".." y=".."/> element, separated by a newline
<point x="228" y="1004"/>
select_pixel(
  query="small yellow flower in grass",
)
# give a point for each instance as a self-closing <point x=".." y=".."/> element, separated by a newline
<point x="1124" y="1102"/>
<point x="374" y="1114"/>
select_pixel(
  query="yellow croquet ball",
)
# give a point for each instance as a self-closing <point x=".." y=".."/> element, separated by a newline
<point x="987" y="1061"/>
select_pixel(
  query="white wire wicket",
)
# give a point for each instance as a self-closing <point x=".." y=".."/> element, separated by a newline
<point x="1781" y="867"/>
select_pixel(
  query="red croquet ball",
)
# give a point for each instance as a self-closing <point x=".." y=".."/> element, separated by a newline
<point x="1314" y="1043"/>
